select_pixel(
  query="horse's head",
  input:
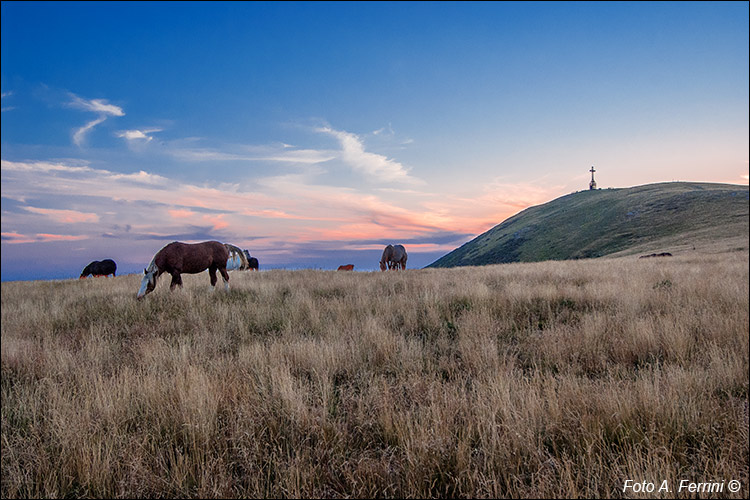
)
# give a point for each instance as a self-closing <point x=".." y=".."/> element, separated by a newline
<point x="382" y="265"/>
<point x="148" y="283"/>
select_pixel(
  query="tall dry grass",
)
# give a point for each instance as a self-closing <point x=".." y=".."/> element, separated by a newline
<point x="555" y="379"/>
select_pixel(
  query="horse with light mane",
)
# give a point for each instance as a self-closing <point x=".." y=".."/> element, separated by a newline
<point x="177" y="258"/>
<point x="240" y="254"/>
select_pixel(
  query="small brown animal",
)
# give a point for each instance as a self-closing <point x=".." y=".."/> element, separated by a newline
<point x="663" y="254"/>
<point x="348" y="267"/>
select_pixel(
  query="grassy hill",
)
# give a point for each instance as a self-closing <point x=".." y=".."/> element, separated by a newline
<point x="671" y="217"/>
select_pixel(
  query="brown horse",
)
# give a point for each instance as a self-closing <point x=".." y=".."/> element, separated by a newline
<point x="348" y="267"/>
<point x="385" y="259"/>
<point x="177" y="258"/>
<point x="99" y="268"/>
<point x="394" y="257"/>
<point x="398" y="260"/>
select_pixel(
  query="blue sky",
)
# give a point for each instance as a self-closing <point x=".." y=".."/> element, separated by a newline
<point x="314" y="133"/>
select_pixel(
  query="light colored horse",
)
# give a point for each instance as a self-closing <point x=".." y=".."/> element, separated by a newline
<point x="237" y="258"/>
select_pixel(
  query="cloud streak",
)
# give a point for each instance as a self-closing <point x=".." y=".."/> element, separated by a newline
<point x="65" y="216"/>
<point x="375" y="167"/>
<point x="254" y="154"/>
<point x="13" y="237"/>
<point x="99" y="106"/>
<point x="138" y="135"/>
<point x="7" y="108"/>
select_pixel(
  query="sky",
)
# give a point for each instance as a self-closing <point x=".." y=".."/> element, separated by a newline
<point x="315" y="133"/>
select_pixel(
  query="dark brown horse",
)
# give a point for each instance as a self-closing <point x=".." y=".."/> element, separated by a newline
<point x="99" y="268"/>
<point x="177" y="258"/>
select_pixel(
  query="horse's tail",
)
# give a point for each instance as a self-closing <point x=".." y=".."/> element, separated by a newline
<point x="244" y="264"/>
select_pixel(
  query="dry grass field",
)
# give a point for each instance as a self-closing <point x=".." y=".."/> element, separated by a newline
<point x="550" y="379"/>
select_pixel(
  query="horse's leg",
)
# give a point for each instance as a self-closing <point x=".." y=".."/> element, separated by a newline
<point x="212" y="274"/>
<point x="176" y="280"/>
<point x="225" y="277"/>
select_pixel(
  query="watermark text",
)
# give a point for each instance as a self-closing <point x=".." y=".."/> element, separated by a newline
<point x="681" y="486"/>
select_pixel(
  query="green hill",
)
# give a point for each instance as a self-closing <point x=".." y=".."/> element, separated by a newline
<point x="670" y="217"/>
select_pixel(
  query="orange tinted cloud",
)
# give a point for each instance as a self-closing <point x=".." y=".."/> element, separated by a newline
<point x="59" y="237"/>
<point x="181" y="213"/>
<point x="216" y="221"/>
<point x="65" y="216"/>
<point x="39" y="237"/>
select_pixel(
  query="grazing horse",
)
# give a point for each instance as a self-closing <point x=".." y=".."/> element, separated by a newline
<point x="398" y="260"/>
<point x="348" y="267"/>
<point x="97" y="268"/>
<point x="177" y="258"/>
<point x="385" y="259"/>
<point x="394" y="257"/>
<point x="253" y="263"/>
<point x="241" y="255"/>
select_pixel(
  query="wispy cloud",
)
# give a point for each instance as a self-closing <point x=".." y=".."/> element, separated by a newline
<point x="100" y="106"/>
<point x="4" y="95"/>
<point x="181" y="213"/>
<point x="374" y="166"/>
<point x="80" y="134"/>
<point x="96" y="105"/>
<point x="13" y="237"/>
<point x="65" y="216"/>
<point x="138" y="135"/>
<point x="43" y="167"/>
<point x="282" y="154"/>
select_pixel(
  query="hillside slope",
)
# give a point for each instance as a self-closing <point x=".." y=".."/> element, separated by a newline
<point x="586" y="224"/>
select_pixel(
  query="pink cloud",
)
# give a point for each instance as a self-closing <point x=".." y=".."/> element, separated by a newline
<point x="217" y="221"/>
<point x="65" y="216"/>
<point x="181" y="213"/>
<point x="59" y="237"/>
<point x="39" y="238"/>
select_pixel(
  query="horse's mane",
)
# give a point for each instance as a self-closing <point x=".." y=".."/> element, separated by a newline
<point x="235" y="250"/>
<point x="152" y="265"/>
